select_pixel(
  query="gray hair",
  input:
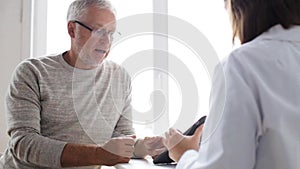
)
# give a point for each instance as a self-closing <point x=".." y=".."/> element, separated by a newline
<point x="79" y="7"/>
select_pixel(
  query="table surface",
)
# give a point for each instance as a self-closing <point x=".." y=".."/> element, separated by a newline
<point x="141" y="164"/>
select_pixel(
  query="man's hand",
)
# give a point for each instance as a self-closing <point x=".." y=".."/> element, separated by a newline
<point x="177" y="143"/>
<point x="117" y="150"/>
<point x="154" y="145"/>
<point x="121" y="146"/>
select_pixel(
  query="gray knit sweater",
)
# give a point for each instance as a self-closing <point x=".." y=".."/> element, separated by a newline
<point x="50" y="103"/>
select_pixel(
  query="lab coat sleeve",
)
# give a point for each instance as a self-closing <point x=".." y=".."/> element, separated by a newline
<point x="232" y="129"/>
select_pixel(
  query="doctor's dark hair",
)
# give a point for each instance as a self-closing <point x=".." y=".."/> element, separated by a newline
<point x="79" y="7"/>
<point x="250" y="18"/>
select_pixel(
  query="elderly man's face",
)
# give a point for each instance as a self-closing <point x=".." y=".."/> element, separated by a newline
<point x="93" y="35"/>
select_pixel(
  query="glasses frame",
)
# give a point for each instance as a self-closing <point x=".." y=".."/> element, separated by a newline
<point x="111" y="34"/>
<point x="83" y="25"/>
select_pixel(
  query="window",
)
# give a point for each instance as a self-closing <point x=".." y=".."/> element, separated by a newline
<point x="57" y="34"/>
<point x="207" y="17"/>
<point x="186" y="83"/>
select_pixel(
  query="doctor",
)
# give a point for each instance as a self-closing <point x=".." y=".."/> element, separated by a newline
<point x="255" y="101"/>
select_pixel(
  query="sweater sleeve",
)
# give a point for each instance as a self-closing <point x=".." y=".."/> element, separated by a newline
<point x="124" y="125"/>
<point x="23" y="114"/>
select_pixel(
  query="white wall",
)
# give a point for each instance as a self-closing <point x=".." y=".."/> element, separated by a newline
<point x="11" y="31"/>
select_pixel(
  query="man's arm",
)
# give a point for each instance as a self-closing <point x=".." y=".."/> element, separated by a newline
<point x="23" y="109"/>
<point x="118" y="150"/>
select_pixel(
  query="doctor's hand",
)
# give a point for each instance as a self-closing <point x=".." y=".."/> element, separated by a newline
<point x="117" y="150"/>
<point x="177" y="143"/>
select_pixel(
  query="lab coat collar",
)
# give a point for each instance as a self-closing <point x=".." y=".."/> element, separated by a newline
<point x="277" y="32"/>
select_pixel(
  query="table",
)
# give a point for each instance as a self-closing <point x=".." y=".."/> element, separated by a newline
<point x="141" y="164"/>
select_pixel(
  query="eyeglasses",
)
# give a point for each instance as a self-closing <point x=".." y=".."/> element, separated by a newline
<point x="101" y="32"/>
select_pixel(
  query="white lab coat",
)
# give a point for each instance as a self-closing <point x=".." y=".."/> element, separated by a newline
<point x="254" y="119"/>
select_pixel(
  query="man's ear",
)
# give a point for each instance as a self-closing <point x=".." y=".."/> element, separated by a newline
<point x="71" y="29"/>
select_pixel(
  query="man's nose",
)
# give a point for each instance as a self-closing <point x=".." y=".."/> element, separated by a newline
<point x="105" y="38"/>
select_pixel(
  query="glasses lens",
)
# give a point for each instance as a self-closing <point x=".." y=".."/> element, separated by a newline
<point x="116" y="35"/>
<point x="102" y="33"/>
